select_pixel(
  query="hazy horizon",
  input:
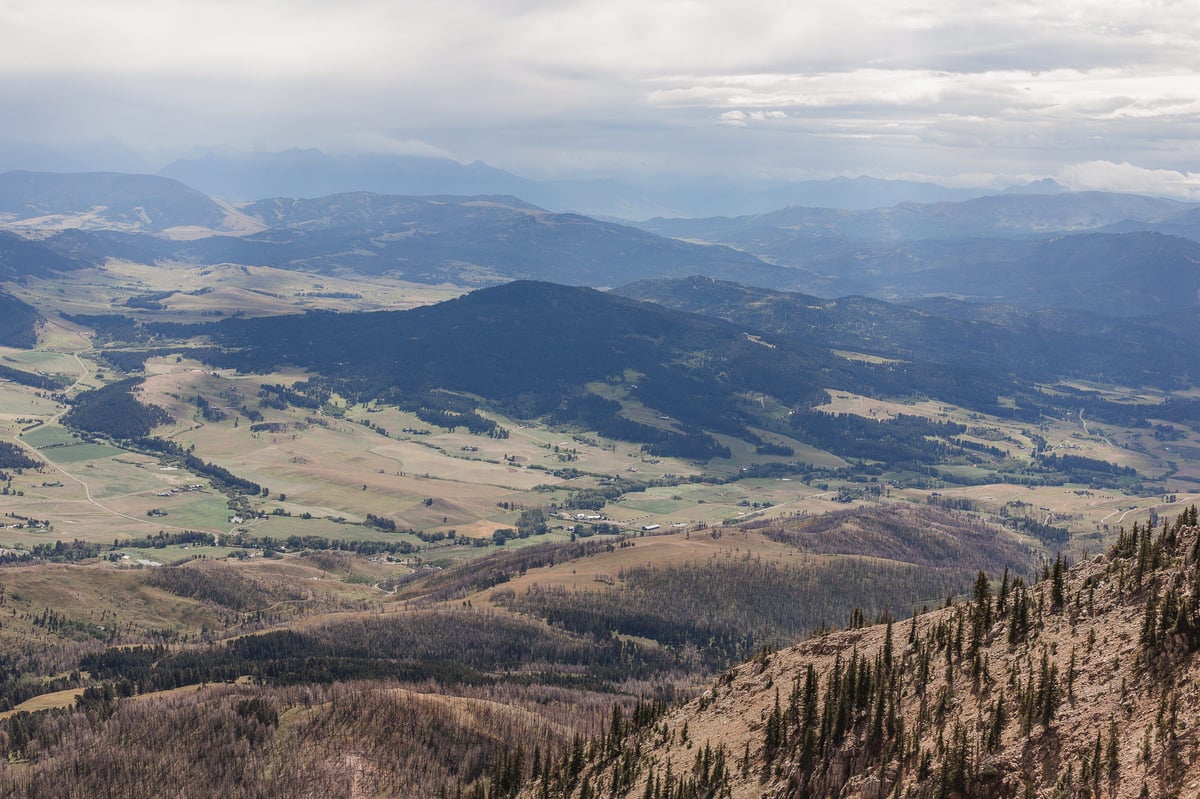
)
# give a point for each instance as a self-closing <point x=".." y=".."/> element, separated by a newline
<point x="1093" y="96"/>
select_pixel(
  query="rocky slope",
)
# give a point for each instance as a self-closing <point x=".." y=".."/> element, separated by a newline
<point x="1082" y="685"/>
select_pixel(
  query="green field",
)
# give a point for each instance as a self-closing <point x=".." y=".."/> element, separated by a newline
<point x="338" y="469"/>
<point x="252" y="290"/>
<point x="41" y="361"/>
<point x="77" y="453"/>
<point x="24" y="403"/>
<point x="48" y="436"/>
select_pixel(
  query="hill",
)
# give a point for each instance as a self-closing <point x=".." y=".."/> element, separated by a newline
<point x="243" y="176"/>
<point x="295" y="684"/>
<point x="466" y="240"/>
<point x="797" y="575"/>
<point x="1185" y="224"/>
<point x="1130" y="275"/>
<point x="18" y="323"/>
<point x="1034" y="345"/>
<point x="532" y="349"/>
<point x="22" y="257"/>
<point x="106" y="200"/>
<point x="1077" y="685"/>
<point x="674" y="382"/>
<point x="994" y="216"/>
<point x="1087" y="251"/>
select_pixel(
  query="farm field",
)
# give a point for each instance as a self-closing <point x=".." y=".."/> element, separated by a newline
<point x="334" y="472"/>
<point x="324" y="472"/>
<point x="213" y="292"/>
<point x="1071" y="435"/>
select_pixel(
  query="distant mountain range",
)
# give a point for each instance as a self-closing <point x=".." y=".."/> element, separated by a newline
<point x="1113" y="254"/>
<point x="1039" y="251"/>
<point x="463" y="240"/>
<point x="237" y="175"/>
<point x="312" y="173"/>
<point x="1130" y="274"/>
<point x="996" y="216"/>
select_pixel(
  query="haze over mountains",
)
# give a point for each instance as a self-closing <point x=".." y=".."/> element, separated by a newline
<point x="240" y="175"/>
<point x="1108" y="253"/>
<point x="1114" y="254"/>
<point x="1047" y="293"/>
<point x="310" y="173"/>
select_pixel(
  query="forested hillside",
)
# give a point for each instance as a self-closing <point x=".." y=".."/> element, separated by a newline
<point x="1076" y="685"/>
<point x="1034" y="345"/>
<point x="490" y="698"/>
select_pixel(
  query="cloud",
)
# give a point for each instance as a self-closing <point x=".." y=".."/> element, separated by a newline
<point x="373" y="141"/>
<point x="741" y="119"/>
<point x="997" y="86"/>
<point x="1125" y="177"/>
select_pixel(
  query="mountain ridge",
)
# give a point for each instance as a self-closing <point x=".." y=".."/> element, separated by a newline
<point x="1077" y="685"/>
<point x="238" y="175"/>
<point x="108" y="200"/>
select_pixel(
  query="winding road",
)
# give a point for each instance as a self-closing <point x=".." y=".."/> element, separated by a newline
<point x="85" y="371"/>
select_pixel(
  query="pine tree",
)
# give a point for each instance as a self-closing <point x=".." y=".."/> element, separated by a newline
<point x="1058" y="583"/>
<point x="1002" y="595"/>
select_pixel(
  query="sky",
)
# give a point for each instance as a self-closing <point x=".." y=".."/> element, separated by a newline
<point x="1095" y="94"/>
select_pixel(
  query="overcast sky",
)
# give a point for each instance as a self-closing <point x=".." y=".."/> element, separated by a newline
<point x="1096" y="94"/>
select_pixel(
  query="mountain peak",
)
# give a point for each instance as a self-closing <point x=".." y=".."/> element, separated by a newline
<point x="1043" y="186"/>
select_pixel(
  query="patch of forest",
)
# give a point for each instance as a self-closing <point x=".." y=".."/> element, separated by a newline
<point x="716" y="612"/>
<point x="21" y="377"/>
<point x="899" y="440"/>
<point x="924" y="535"/>
<point x="114" y="411"/>
<point x="13" y="456"/>
<point x="524" y="346"/>
<point x="18" y="320"/>
<point x="337" y="741"/>
<point x="452" y="647"/>
<point x="218" y="583"/>
<point x="219" y="475"/>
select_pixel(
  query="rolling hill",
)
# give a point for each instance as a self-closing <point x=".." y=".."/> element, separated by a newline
<point x="994" y="216"/>
<point x="671" y="381"/>
<point x="1086" y="251"/>
<point x="1045" y="345"/>
<point x="418" y="696"/>
<point x="465" y="240"/>
<point x="106" y="200"/>
<point x="468" y="240"/>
